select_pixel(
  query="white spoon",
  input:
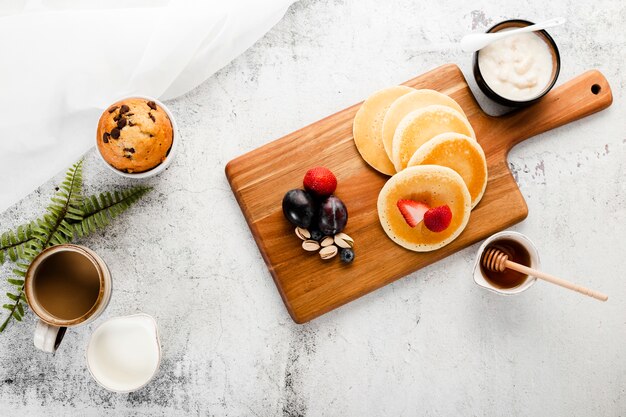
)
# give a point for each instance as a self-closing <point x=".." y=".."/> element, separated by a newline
<point x="475" y="41"/>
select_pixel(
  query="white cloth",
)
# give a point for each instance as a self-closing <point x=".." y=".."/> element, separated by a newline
<point x="63" y="61"/>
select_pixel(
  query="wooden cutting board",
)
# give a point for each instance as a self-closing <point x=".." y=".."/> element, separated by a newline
<point x="311" y="287"/>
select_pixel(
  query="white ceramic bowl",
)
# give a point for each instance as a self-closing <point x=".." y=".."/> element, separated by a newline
<point x="479" y="277"/>
<point x="163" y="165"/>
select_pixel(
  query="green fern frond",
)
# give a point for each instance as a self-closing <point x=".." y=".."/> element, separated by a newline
<point x="51" y="230"/>
<point x="15" y="309"/>
<point x="14" y="244"/>
<point x="98" y="211"/>
<point x="54" y="229"/>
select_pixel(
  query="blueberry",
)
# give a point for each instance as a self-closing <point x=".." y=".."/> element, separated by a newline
<point x="317" y="235"/>
<point x="346" y="255"/>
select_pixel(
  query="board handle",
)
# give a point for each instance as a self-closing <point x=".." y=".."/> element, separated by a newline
<point x="581" y="96"/>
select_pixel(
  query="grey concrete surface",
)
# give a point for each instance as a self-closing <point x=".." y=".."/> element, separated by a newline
<point x="431" y="344"/>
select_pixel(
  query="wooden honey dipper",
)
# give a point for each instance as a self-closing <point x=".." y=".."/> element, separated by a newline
<point x="495" y="260"/>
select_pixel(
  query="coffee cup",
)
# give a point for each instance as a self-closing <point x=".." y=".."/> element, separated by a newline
<point x="65" y="286"/>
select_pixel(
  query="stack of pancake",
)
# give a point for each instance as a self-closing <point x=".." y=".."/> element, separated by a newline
<point x="423" y="139"/>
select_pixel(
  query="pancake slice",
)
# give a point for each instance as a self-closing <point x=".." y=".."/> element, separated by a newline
<point x="430" y="184"/>
<point x="367" y="129"/>
<point x="399" y="109"/>
<point x="420" y="126"/>
<point x="459" y="152"/>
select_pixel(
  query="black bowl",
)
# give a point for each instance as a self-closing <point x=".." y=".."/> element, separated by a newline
<point x="556" y="67"/>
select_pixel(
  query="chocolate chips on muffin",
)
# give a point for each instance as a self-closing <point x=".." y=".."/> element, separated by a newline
<point x="136" y="135"/>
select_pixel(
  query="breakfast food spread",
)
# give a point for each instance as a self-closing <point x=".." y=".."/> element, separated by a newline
<point x="368" y="127"/>
<point x="441" y="168"/>
<point x="404" y="105"/>
<point x="319" y="216"/>
<point x="424" y="208"/>
<point x="134" y="135"/>
<point x="462" y="154"/>
<point x="518" y="68"/>
<point x="420" y="126"/>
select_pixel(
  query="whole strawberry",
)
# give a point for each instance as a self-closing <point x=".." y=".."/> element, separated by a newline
<point x="438" y="219"/>
<point x="320" y="181"/>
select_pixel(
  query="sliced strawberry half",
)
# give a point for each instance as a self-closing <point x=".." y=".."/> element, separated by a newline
<point x="412" y="211"/>
<point x="438" y="219"/>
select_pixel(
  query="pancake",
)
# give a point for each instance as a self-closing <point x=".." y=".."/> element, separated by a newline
<point x="408" y="103"/>
<point x="367" y="129"/>
<point x="420" y="126"/>
<point x="433" y="185"/>
<point x="462" y="154"/>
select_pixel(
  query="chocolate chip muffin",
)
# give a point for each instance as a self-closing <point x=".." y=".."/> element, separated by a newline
<point x="134" y="135"/>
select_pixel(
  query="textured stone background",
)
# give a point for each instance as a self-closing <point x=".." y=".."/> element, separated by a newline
<point x="430" y="344"/>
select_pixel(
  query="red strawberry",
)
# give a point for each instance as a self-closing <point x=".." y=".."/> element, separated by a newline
<point x="320" y="181"/>
<point x="412" y="211"/>
<point x="438" y="219"/>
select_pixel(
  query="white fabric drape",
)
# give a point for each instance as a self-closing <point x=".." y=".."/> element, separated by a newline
<point x="62" y="62"/>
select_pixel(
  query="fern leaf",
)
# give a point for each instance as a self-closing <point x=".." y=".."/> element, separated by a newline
<point x="16" y="310"/>
<point x="19" y="272"/>
<point x="13" y="244"/>
<point x="98" y="211"/>
<point x="51" y="230"/>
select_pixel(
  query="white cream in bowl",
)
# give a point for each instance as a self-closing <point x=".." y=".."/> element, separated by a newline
<point x="518" y="68"/>
<point x="124" y="353"/>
